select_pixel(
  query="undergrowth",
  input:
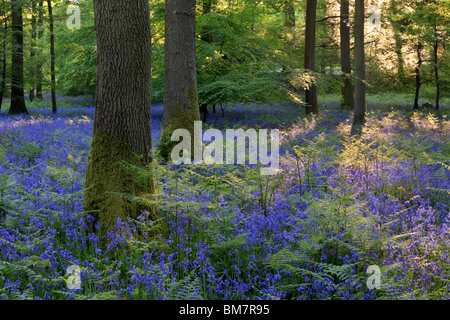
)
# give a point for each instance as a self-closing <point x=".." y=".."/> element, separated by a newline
<point x="338" y="205"/>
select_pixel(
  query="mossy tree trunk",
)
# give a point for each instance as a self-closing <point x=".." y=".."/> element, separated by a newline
<point x="122" y="124"/>
<point x="347" y="101"/>
<point x="52" y="57"/>
<point x="180" y="72"/>
<point x="360" y="66"/>
<point x="17" y="91"/>
<point x="310" y="55"/>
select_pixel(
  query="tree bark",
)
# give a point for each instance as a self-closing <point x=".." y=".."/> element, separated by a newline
<point x="181" y="107"/>
<point x="122" y="123"/>
<point x="347" y="101"/>
<point x="418" y="76"/>
<point x="208" y="6"/>
<point x="52" y="57"/>
<point x="360" y="67"/>
<point x="39" y="74"/>
<point x="398" y="42"/>
<point x="399" y="53"/>
<point x="289" y="21"/>
<point x="32" y="50"/>
<point x="310" y="53"/>
<point x="436" y="74"/>
<point x="3" y="85"/>
<point x="289" y="14"/>
<point x="17" y="91"/>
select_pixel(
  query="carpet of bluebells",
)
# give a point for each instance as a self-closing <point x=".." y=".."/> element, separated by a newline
<point x="338" y="204"/>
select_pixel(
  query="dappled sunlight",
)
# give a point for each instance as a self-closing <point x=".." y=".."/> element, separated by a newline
<point x="330" y="187"/>
<point x="236" y="150"/>
<point x="427" y="122"/>
<point x="82" y="120"/>
<point x="298" y="130"/>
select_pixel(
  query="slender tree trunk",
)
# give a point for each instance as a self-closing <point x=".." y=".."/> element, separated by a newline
<point x="436" y="74"/>
<point x="39" y="74"/>
<point x="289" y="14"/>
<point x="289" y="20"/>
<point x="32" y="49"/>
<point x="398" y="42"/>
<point x="122" y="123"/>
<point x="52" y="57"/>
<point x="347" y="101"/>
<point x="17" y="92"/>
<point x="3" y="85"/>
<point x="399" y="53"/>
<point x="180" y="72"/>
<point x="310" y="53"/>
<point x="205" y="36"/>
<point x="360" y="67"/>
<point x="418" y="76"/>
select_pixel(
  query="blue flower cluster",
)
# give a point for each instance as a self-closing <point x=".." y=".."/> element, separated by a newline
<point x="337" y="206"/>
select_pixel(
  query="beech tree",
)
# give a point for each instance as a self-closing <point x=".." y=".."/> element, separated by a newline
<point x="39" y="74"/>
<point x="32" y="49"/>
<point x="180" y="72"/>
<point x="207" y="6"/>
<point x="289" y="20"/>
<point x="17" y="91"/>
<point x="3" y="83"/>
<point x="347" y="101"/>
<point x="360" y="67"/>
<point x="310" y="53"/>
<point x="122" y="123"/>
<point x="417" y="72"/>
<point x="52" y="56"/>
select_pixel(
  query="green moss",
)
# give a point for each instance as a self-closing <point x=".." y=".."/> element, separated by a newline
<point x="182" y="117"/>
<point x="107" y="178"/>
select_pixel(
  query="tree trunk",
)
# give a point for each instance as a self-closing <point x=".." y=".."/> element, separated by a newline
<point x="205" y="36"/>
<point x="398" y="42"/>
<point x="398" y="52"/>
<point x="122" y="123"/>
<point x="39" y="74"/>
<point x="289" y="14"/>
<point x="347" y="101"/>
<point x="310" y="53"/>
<point x="289" y="21"/>
<point x="52" y="57"/>
<point x="181" y="107"/>
<point x="360" y="67"/>
<point x="3" y="85"/>
<point x="436" y="74"/>
<point x="32" y="50"/>
<point x="17" y="92"/>
<point x="418" y="77"/>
